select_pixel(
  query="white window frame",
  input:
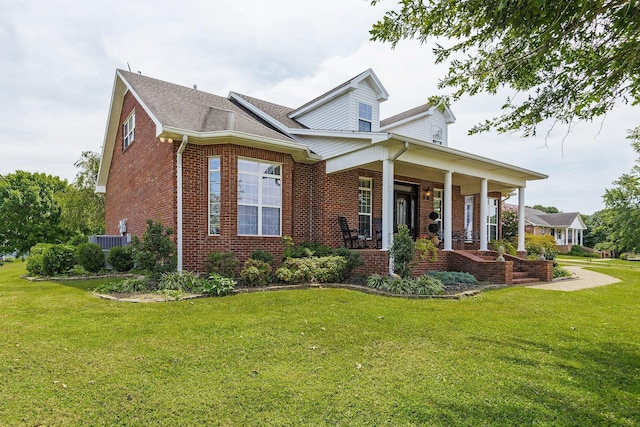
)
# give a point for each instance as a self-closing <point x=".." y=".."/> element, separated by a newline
<point x="365" y="117"/>
<point x="212" y="226"/>
<point x="437" y="135"/>
<point x="129" y="130"/>
<point x="260" y="205"/>
<point x="438" y="196"/>
<point x="491" y="209"/>
<point x="363" y="191"/>
<point x="468" y="218"/>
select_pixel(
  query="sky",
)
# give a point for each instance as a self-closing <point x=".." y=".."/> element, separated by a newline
<point x="60" y="57"/>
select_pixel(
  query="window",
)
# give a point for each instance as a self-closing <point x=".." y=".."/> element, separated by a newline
<point x="364" y="210"/>
<point x="365" y="117"/>
<point x="437" y="135"/>
<point x="468" y="218"/>
<point x="128" y="130"/>
<point x="437" y="206"/>
<point x="259" y="198"/>
<point x="492" y="219"/>
<point x="214" y="195"/>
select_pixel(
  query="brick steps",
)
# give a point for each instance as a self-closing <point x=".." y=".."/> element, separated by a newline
<point x="522" y="277"/>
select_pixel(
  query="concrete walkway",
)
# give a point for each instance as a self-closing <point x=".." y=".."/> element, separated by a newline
<point x="584" y="279"/>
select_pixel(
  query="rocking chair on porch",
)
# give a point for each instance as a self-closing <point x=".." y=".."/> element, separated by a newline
<point x="349" y="235"/>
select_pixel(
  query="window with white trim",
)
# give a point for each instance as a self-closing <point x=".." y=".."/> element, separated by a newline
<point x="214" y="195"/>
<point x="128" y="130"/>
<point x="365" y="117"/>
<point x="492" y="219"/>
<point x="437" y="206"/>
<point x="468" y="218"/>
<point x="437" y="135"/>
<point x="365" y="197"/>
<point x="259" y="198"/>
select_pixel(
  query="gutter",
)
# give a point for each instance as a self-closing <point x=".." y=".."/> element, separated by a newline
<point x="179" y="223"/>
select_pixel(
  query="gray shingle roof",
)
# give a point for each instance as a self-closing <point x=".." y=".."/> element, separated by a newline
<point x="194" y="110"/>
<point x="405" y="114"/>
<point x="278" y="112"/>
<point x="537" y="217"/>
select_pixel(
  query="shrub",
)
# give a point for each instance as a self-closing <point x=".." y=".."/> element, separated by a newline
<point x="35" y="261"/>
<point x="403" y="250"/>
<point x="58" y="260"/>
<point x="449" y="278"/>
<point x="560" y="272"/>
<point x="309" y="249"/>
<point x="156" y="252"/>
<point x="180" y="281"/>
<point x="353" y="260"/>
<point x="123" y="286"/>
<point x="121" y="258"/>
<point x="424" y="285"/>
<point x="90" y="257"/>
<point x="256" y="273"/>
<point x="507" y="245"/>
<point x="309" y="270"/>
<point x="222" y="263"/>
<point x="217" y="285"/>
<point x="540" y="245"/>
<point x="264" y="256"/>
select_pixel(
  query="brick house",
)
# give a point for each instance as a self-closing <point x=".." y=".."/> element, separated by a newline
<point x="238" y="173"/>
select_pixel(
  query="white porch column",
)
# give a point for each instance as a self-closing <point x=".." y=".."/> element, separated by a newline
<point x="484" y="207"/>
<point x="446" y="214"/>
<point x="521" y="216"/>
<point x="387" y="204"/>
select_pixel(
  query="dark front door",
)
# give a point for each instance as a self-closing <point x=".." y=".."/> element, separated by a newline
<point x="405" y="207"/>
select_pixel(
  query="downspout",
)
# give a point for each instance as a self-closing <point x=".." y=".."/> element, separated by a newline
<point x="179" y="226"/>
<point x="387" y="201"/>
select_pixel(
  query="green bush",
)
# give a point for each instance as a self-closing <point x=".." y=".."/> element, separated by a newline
<point x="449" y="278"/>
<point x="424" y="285"/>
<point x="307" y="249"/>
<point x="256" y="273"/>
<point x="58" y="260"/>
<point x="35" y="261"/>
<point x="265" y="256"/>
<point x="90" y="257"/>
<point x="312" y="270"/>
<point x="540" y="245"/>
<point x="217" y="285"/>
<point x="507" y="245"/>
<point x="222" y="263"/>
<point x="156" y="253"/>
<point x="121" y="258"/>
<point x="560" y="272"/>
<point x="123" y="286"/>
<point x="353" y="260"/>
<point x="180" y="281"/>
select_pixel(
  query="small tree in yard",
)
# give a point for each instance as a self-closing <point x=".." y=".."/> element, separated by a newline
<point x="156" y="253"/>
<point x="404" y="250"/>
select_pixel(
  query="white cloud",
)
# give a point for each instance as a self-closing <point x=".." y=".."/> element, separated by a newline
<point x="60" y="57"/>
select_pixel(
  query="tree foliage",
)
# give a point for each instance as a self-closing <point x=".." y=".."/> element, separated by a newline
<point x="82" y="207"/>
<point x="509" y="224"/>
<point x="623" y="207"/>
<point x="546" y="209"/>
<point x="29" y="211"/>
<point x="572" y="59"/>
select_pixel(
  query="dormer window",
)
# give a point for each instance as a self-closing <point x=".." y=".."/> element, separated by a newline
<point x="437" y="135"/>
<point x="128" y="130"/>
<point x="365" y="116"/>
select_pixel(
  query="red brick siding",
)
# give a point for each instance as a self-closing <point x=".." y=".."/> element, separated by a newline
<point x="141" y="183"/>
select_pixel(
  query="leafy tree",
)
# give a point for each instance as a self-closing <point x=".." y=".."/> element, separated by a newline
<point x="509" y="224"/>
<point x="29" y="211"/>
<point x="82" y="207"/>
<point x="156" y="253"/>
<point x="546" y="209"/>
<point x="623" y="207"/>
<point x="573" y="59"/>
<point x="597" y="228"/>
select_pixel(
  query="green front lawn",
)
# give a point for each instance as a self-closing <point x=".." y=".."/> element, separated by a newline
<point x="314" y="357"/>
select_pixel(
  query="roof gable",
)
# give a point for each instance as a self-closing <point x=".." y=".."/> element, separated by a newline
<point x="349" y="85"/>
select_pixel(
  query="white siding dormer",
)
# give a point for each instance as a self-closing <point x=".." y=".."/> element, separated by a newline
<point x="338" y="109"/>
<point x="430" y="126"/>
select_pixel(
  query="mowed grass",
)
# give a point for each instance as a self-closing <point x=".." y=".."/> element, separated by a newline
<point x="515" y="356"/>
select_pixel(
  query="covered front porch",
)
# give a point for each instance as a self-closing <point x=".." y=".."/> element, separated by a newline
<point x="436" y="191"/>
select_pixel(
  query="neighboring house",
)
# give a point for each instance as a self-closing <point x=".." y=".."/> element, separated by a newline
<point x="238" y="173"/>
<point x="566" y="228"/>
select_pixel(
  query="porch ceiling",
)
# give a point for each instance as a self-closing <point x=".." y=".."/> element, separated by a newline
<point x="430" y="162"/>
